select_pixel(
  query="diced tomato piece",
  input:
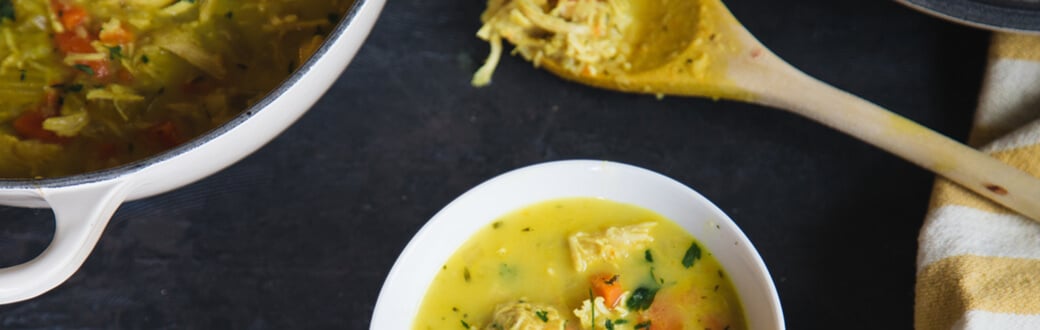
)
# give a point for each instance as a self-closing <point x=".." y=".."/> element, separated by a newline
<point x="73" y="17"/>
<point x="102" y="69"/>
<point x="70" y="42"/>
<point x="30" y="126"/>
<point x="106" y="150"/>
<point x="165" y="134"/>
<point x="125" y="76"/>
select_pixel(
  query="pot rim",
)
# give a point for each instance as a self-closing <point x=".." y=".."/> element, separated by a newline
<point x="995" y="15"/>
<point x="114" y="172"/>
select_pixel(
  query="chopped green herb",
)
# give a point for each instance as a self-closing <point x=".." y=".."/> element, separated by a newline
<point x="21" y="75"/>
<point x="620" y="321"/>
<point x="641" y="298"/>
<point x="496" y="224"/>
<point x="592" y="310"/>
<point x="68" y="88"/>
<point x="611" y="280"/>
<point x="464" y="324"/>
<point x="543" y="315"/>
<point x="144" y="59"/>
<point x="85" y="68"/>
<point x="526" y="229"/>
<point x="643" y="325"/>
<point x="649" y="257"/>
<point x="692" y="254"/>
<point x="115" y="52"/>
<point x="608" y="324"/>
<point x="188" y="1"/>
<point x="465" y="274"/>
<point x="6" y="10"/>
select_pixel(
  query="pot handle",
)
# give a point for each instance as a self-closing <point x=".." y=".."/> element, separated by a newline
<point x="81" y="214"/>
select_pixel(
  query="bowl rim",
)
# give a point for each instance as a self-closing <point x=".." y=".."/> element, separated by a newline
<point x="114" y="172"/>
<point x="390" y="295"/>
<point x="990" y="15"/>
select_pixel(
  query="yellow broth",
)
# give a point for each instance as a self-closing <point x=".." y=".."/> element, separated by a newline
<point x="90" y="84"/>
<point x="525" y="255"/>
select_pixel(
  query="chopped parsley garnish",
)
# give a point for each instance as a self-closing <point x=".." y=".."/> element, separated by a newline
<point x="465" y="274"/>
<point x="692" y="254"/>
<point x="620" y="321"/>
<point x="611" y="280"/>
<point x="542" y="315"/>
<point x="643" y="325"/>
<point x="6" y="10"/>
<point x="641" y="298"/>
<point x="526" y="229"/>
<point x="21" y="75"/>
<point x="649" y="257"/>
<point x="115" y="52"/>
<point x="68" y="88"/>
<point x="85" y="68"/>
<point x="464" y="324"/>
<point x="608" y="324"/>
<point x="592" y="310"/>
<point x="144" y="59"/>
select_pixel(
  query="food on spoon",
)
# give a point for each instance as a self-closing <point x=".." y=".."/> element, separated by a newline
<point x="641" y="271"/>
<point x="583" y="35"/>
<point x="91" y="84"/>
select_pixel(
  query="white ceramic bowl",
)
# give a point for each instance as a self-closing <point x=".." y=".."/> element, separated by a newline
<point x="83" y="204"/>
<point x="421" y="260"/>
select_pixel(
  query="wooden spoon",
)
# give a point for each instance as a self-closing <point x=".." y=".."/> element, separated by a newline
<point x="697" y="48"/>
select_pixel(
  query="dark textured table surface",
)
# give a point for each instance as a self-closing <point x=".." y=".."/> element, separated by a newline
<point x="302" y="233"/>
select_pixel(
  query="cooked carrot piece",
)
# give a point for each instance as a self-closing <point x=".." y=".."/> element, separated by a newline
<point x="607" y="286"/>
<point x="116" y="36"/>
<point x="72" y="17"/>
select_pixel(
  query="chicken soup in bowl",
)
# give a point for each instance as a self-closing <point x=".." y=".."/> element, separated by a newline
<point x="579" y="245"/>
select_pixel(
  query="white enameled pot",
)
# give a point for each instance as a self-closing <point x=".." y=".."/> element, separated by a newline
<point x="83" y="204"/>
<point x="422" y="259"/>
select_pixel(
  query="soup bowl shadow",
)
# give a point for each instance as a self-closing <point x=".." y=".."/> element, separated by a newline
<point x="408" y="280"/>
<point x="83" y="204"/>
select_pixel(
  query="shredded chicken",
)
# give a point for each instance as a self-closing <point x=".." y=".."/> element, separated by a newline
<point x="522" y="315"/>
<point x="584" y="36"/>
<point x="613" y="244"/>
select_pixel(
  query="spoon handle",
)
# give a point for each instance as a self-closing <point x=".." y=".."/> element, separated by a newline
<point x="781" y="85"/>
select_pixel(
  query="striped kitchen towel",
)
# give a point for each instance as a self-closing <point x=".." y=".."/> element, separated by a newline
<point x="978" y="264"/>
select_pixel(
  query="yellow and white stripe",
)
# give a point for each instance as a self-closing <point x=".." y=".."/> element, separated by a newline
<point x="978" y="264"/>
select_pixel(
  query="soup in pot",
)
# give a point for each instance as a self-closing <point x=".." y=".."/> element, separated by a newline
<point x="91" y="84"/>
